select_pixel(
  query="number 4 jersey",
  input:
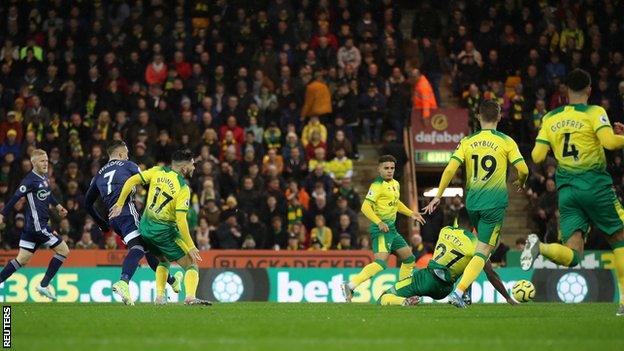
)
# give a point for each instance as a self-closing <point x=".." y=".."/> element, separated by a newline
<point x="168" y="193"/>
<point x="454" y="250"/>
<point x="486" y="154"/>
<point x="570" y="131"/>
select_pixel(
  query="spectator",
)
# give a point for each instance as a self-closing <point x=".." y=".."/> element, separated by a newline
<point x="156" y="72"/>
<point x="341" y="166"/>
<point x="202" y="235"/>
<point x="86" y="242"/>
<point x="317" y="99"/>
<point x="228" y="234"/>
<point x="322" y="232"/>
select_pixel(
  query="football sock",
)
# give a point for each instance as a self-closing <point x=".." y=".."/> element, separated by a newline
<point x="367" y="272"/>
<point x="391" y="299"/>
<point x="131" y="262"/>
<point x="55" y="263"/>
<point x="153" y="262"/>
<point x="161" y="278"/>
<point x="559" y="254"/>
<point x="618" y="252"/>
<point x="472" y="271"/>
<point x="9" y="269"/>
<point x="191" y="280"/>
<point x="407" y="266"/>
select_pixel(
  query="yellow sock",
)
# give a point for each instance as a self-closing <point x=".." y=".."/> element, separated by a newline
<point x="472" y="271"/>
<point x="619" y="270"/>
<point x="367" y="272"/>
<point x="391" y="299"/>
<point x="161" y="279"/>
<point x="406" y="268"/>
<point x="191" y="280"/>
<point x="559" y="254"/>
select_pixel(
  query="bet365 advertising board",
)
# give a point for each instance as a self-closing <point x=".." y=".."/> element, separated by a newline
<point x="296" y="285"/>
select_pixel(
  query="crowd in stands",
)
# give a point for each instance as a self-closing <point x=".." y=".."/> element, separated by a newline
<point x="272" y="96"/>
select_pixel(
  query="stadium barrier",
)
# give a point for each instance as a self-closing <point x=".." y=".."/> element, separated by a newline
<point x="283" y="284"/>
<point x="217" y="258"/>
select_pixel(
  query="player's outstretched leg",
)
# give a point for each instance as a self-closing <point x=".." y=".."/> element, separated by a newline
<point x="23" y="256"/>
<point x="557" y="253"/>
<point x="175" y="281"/>
<point x="365" y="274"/>
<point x="472" y="271"/>
<point x="61" y="252"/>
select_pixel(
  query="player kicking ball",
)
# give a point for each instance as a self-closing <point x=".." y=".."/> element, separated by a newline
<point x="107" y="183"/>
<point x="577" y="134"/>
<point x="36" y="188"/>
<point x="455" y="248"/>
<point x="164" y="228"/>
<point x="380" y="207"/>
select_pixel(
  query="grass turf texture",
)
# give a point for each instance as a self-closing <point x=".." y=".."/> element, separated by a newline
<point x="272" y="326"/>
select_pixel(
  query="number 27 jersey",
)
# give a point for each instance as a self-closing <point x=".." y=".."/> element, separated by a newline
<point x="168" y="193"/>
<point x="454" y="250"/>
<point x="486" y="154"/>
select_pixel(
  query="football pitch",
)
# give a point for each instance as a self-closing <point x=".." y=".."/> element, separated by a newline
<point x="273" y="326"/>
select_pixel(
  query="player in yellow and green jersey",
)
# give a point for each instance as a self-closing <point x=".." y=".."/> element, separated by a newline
<point x="164" y="227"/>
<point x="577" y="134"/>
<point x="455" y="248"/>
<point x="381" y="206"/>
<point x="486" y="155"/>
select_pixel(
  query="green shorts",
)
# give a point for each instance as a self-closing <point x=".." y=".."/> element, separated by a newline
<point x="423" y="283"/>
<point x="488" y="224"/>
<point x="386" y="242"/>
<point x="162" y="239"/>
<point x="578" y="208"/>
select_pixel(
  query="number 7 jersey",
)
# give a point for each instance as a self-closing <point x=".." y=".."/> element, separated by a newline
<point x="486" y="154"/>
<point x="570" y="131"/>
<point x="168" y="193"/>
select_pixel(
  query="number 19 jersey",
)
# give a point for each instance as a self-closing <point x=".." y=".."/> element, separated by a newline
<point x="168" y="193"/>
<point x="570" y="131"/>
<point x="486" y="154"/>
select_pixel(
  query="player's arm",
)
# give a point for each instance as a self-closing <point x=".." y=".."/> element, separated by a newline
<point x="404" y="210"/>
<point x="496" y="281"/>
<point x="130" y="183"/>
<point x="21" y="190"/>
<point x="542" y="146"/>
<point x="445" y="180"/>
<point x="90" y="198"/>
<point x="54" y="202"/>
<point x="182" y="205"/>
<point x="610" y="140"/>
<point x="369" y="212"/>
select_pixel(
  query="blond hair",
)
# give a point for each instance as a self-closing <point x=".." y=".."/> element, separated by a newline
<point x="36" y="153"/>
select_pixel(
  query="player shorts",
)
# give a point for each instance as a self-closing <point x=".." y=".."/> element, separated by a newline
<point x="423" y="283"/>
<point x="32" y="240"/>
<point x="126" y="226"/>
<point x="488" y="224"/>
<point x="162" y="239"/>
<point x="598" y="206"/>
<point x="386" y="242"/>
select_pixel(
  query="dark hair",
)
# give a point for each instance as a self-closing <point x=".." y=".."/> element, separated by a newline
<point x="114" y="145"/>
<point x="578" y="80"/>
<point x="387" y="158"/>
<point x="463" y="220"/>
<point x="183" y="155"/>
<point x="489" y="111"/>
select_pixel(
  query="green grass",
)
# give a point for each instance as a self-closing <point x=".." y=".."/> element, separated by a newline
<point x="323" y="327"/>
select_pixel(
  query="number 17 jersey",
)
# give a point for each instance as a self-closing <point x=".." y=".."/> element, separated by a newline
<point x="570" y="131"/>
<point x="168" y="193"/>
<point x="486" y="154"/>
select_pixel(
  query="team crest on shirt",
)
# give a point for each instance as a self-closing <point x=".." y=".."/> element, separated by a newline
<point x="22" y="188"/>
<point x="370" y="193"/>
<point x="604" y="119"/>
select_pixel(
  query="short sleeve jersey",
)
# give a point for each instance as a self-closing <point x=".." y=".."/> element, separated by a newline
<point x="168" y="193"/>
<point x="454" y="250"/>
<point x="570" y="131"/>
<point x="384" y="196"/>
<point x="486" y="154"/>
